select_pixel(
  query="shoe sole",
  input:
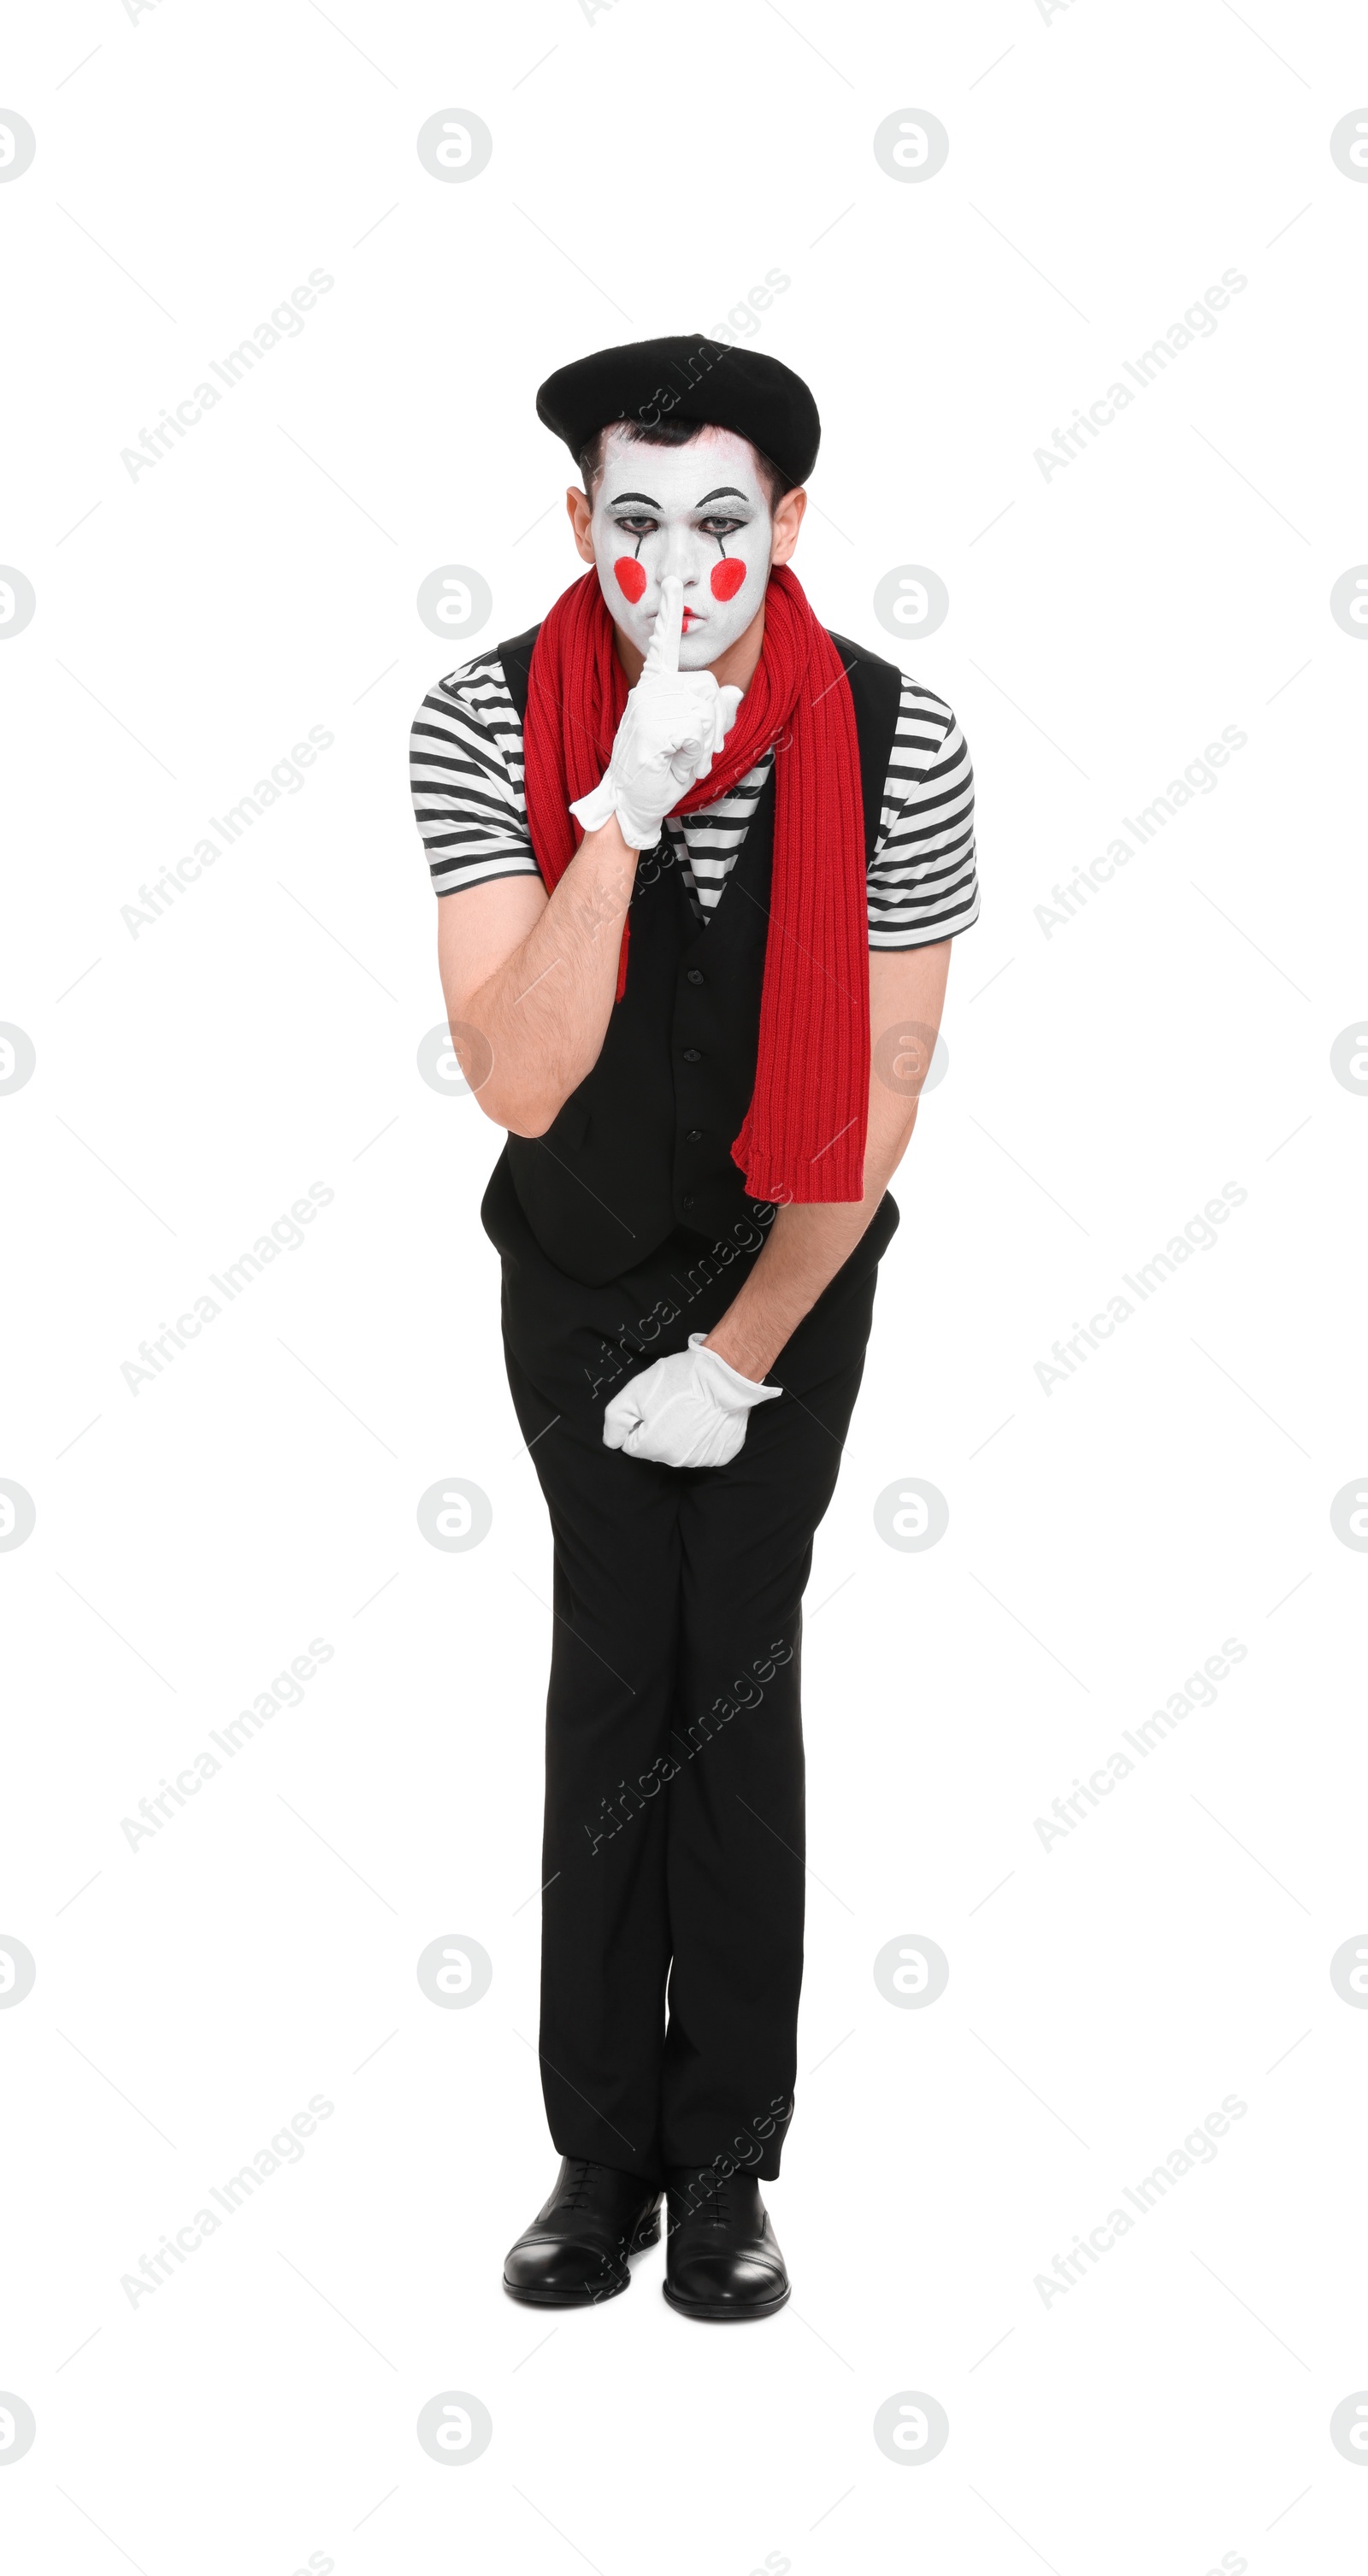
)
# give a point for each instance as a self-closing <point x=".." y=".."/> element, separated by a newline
<point x="724" y="2312"/>
<point x="646" y="2236"/>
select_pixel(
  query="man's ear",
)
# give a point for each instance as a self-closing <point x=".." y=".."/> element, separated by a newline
<point x="581" y="513"/>
<point x="788" y="519"/>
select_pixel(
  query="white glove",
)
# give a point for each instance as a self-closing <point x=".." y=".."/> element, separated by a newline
<point x="686" y="1411"/>
<point x="673" y="726"/>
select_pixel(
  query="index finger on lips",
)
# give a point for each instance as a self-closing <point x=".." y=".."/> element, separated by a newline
<point x="662" y="653"/>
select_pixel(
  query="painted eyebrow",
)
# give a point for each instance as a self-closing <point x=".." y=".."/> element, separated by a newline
<point x="724" y="492"/>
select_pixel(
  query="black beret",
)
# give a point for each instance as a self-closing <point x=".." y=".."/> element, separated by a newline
<point x="690" y="379"/>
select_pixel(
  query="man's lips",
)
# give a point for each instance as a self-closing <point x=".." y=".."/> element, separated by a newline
<point x="690" y="618"/>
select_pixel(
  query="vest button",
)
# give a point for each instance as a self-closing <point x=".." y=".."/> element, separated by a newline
<point x="695" y="975"/>
<point x="694" y="1137"/>
<point x="693" y="1055"/>
<point x="688" y="1202"/>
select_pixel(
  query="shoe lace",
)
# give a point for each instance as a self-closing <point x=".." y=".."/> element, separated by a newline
<point x="709" y="2201"/>
<point x="578" y="2188"/>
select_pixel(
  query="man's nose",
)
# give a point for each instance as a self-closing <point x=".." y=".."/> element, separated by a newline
<point x="680" y="555"/>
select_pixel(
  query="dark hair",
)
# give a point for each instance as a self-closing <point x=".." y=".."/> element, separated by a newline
<point x="676" y="433"/>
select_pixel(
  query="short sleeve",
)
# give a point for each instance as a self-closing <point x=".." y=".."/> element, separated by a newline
<point x="922" y="878"/>
<point x="466" y="775"/>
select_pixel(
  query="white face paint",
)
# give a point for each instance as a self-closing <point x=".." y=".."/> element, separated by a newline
<point x="699" y="511"/>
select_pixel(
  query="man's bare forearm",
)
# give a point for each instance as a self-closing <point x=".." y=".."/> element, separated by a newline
<point x="805" y="1249"/>
<point x="807" y="1245"/>
<point x="543" y="1012"/>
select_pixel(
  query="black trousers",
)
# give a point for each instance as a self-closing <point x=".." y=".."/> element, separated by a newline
<point x="673" y="1860"/>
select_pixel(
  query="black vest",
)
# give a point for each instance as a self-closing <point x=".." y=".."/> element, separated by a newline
<point x="644" y="1144"/>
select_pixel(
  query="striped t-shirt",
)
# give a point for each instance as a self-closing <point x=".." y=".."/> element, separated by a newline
<point x="466" y="772"/>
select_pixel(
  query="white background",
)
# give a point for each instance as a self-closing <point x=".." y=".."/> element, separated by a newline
<point x="650" y="164"/>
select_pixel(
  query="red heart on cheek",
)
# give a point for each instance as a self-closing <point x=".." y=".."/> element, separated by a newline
<point x="631" y="576"/>
<point x="727" y="577"/>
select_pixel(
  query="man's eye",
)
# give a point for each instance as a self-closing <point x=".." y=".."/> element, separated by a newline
<point x="721" y="527"/>
<point x="635" y="527"/>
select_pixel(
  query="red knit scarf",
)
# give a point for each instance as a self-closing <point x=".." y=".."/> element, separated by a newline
<point x="803" y="1139"/>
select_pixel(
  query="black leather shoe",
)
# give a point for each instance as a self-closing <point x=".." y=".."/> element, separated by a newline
<point x="722" y="2257"/>
<point x="575" y="2251"/>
